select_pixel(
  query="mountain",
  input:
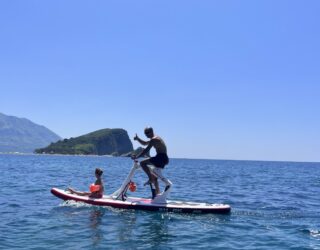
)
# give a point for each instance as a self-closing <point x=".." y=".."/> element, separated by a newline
<point x="22" y="135"/>
<point x="101" y="142"/>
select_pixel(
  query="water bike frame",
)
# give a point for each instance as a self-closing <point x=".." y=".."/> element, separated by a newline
<point x="120" y="194"/>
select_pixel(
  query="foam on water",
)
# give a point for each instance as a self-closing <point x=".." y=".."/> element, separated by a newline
<point x="74" y="204"/>
<point x="315" y="233"/>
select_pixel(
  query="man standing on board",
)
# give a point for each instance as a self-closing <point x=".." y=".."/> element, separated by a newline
<point x="159" y="161"/>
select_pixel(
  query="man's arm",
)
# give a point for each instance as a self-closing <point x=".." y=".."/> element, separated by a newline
<point x="146" y="150"/>
<point x="142" y="142"/>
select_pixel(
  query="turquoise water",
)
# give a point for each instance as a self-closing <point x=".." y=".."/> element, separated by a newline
<point x="275" y="205"/>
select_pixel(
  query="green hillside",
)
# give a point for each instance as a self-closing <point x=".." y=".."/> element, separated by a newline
<point x="101" y="142"/>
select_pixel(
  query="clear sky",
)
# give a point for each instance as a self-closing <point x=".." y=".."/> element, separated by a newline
<point x="216" y="79"/>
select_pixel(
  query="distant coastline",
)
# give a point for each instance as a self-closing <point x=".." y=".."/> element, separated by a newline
<point x="172" y="158"/>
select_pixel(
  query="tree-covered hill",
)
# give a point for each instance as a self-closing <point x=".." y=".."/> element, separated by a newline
<point x="101" y="142"/>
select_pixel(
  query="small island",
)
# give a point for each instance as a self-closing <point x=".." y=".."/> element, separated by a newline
<point x="107" y="141"/>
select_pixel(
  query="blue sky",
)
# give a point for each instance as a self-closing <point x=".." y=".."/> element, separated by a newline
<point x="216" y="79"/>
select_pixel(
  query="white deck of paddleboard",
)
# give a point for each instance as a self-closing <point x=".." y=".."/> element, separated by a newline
<point x="144" y="202"/>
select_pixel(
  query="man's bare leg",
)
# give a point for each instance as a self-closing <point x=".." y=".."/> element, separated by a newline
<point x="146" y="169"/>
<point x="156" y="183"/>
<point x="153" y="182"/>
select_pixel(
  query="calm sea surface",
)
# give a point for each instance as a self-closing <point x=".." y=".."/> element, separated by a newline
<point x="275" y="205"/>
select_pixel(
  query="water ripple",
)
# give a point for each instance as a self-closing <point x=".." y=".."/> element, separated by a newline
<point x="273" y="207"/>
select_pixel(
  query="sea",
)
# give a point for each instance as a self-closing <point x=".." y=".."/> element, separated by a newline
<point x="275" y="205"/>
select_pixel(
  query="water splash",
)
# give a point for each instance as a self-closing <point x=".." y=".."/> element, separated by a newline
<point x="314" y="233"/>
<point x="71" y="203"/>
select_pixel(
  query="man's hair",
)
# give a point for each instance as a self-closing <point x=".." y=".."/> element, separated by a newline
<point x="148" y="130"/>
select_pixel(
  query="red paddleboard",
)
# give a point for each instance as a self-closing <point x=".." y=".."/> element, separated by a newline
<point x="146" y="204"/>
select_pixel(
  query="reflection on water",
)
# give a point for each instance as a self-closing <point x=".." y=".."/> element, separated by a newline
<point x="86" y="219"/>
<point x="156" y="230"/>
<point x="130" y="228"/>
<point x="96" y="215"/>
<point x="126" y="225"/>
<point x="140" y="228"/>
<point x="150" y="229"/>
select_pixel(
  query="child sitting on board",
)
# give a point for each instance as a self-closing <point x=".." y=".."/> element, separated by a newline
<point x="96" y="189"/>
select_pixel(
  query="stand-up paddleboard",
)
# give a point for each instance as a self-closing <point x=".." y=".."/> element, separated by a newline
<point x="145" y="204"/>
<point x="120" y="200"/>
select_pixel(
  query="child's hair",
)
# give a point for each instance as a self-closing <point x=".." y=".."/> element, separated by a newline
<point x="99" y="171"/>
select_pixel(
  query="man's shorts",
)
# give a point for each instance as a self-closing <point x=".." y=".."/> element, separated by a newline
<point x="160" y="160"/>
